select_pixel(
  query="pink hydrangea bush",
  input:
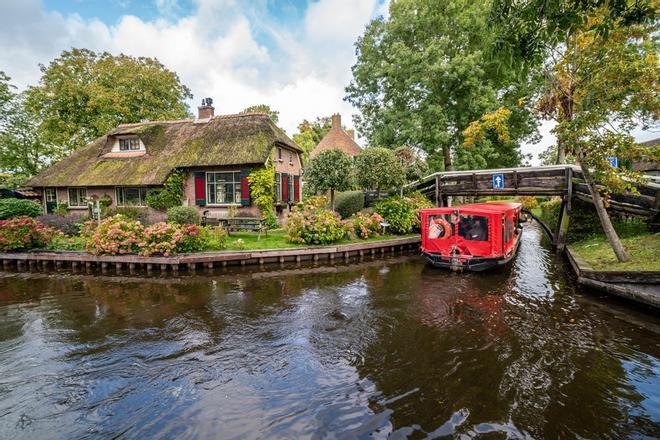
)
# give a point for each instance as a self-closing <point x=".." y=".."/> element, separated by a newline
<point x="168" y="239"/>
<point x="364" y="224"/>
<point x="25" y="233"/>
<point x="314" y="224"/>
<point x="114" y="235"/>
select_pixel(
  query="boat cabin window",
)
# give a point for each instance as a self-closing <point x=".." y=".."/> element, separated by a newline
<point x="440" y="226"/>
<point x="473" y="227"/>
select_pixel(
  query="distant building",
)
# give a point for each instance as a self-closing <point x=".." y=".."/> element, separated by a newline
<point x="337" y="139"/>
<point x="649" y="168"/>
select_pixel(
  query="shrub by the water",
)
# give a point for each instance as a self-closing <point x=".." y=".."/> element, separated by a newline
<point x="213" y="238"/>
<point x="364" y="224"/>
<point x="114" y="235"/>
<point x="419" y="201"/>
<point x="13" y="208"/>
<point x="527" y="202"/>
<point x="167" y="239"/>
<point x="24" y="233"/>
<point x="349" y="202"/>
<point x="314" y="224"/>
<point x="131" y="212"/>
<point x="399" y="212"/>
<point x="183" y="215"/>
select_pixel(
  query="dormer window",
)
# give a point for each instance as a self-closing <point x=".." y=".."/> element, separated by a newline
<point x="129" y="144"/>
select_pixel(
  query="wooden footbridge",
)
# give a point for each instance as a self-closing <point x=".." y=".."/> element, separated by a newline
<point x="565" y="181"/>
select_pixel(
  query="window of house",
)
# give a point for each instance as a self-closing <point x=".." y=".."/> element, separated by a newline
<point x="290" y="158"/>
<point x="290" y="192"/>
<point x="223" y="188"/>
<point x="279" y="154"/>
<point x="77" y="197"/>
<point x="51" y="195"/>
<point x="131" y="196"/>
<point x="278" y="187"/>
<point x="129" y="144"/>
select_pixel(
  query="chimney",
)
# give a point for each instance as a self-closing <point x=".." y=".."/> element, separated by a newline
<point x="351" y="133"/>
<point x="336" y="121"/>
<point x="206" y="110"/>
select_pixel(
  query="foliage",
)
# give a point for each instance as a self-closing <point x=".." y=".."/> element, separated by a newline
<point x="349" y="203"/>
<point x="68" y="225"/>
<point x="487" y="143"/>
<point x="310" y="134"/>
<point x="418" y="201"/>
<point x="399" y="212"/>
<point x="423" y="74"/>
<point x="377" y="169"/>
<point x="114" y="235"/>
<point x="214" y="238"/>
<point x="183" y="215"/>
<point x="66" y="243"/>
<point x="527" y="202"/>
<point x="12" y="208"/>
<point x="314" y="225"/>
<point x="414" y="166"/>
<point x="329" y="171"/>
<point x="62" y="209"/>
<point x="170" y="195"/>
<point x="132" y="212"/>
<point x="364" y="224"/>
<point x="642" y="245"/>
<point x="167" y="239"/>
<point x="23" y="152"/>
<point x="263" y="108"/>
<point x="262" y="192"/>
<point x="82" y="95"/>
<point x="24" y="233"/>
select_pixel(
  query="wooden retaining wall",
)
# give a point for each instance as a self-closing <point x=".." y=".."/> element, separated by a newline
<point x="78" y="260"/>
<point x="639" y="286"/>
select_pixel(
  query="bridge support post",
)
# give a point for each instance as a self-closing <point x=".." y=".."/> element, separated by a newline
<point x="564" y="213"/>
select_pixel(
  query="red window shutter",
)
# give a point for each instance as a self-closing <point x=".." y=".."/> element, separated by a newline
<point x="285" y="187"/>
<point x="245" y="188"/>
<point x="296" y="188"/>
<point x="200" y="188"/>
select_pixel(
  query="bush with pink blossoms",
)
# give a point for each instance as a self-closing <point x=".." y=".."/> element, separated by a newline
<point x="168" y="239"/>
<point x="24" y="233"/>
<point x="364" y="224"/>
<point x="114" y="235"/>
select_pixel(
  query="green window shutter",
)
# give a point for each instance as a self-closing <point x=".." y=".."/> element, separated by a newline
<point x="245" y="188"/>
<point x="200" y="188"/>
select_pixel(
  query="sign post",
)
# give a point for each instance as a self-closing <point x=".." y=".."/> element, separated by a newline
<point x="614" y="161"/>
<point x="498" y="181"/>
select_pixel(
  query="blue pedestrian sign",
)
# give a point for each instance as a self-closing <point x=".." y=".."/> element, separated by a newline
<point x="613" y="160"/>
<point x="498" y="181"/>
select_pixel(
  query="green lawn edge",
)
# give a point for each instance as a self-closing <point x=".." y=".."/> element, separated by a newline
<point x="643" y="250"/>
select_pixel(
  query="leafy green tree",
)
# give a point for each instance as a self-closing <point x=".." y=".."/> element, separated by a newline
<point x="413" y="165"/>
<point x="329" y="171"/>
<point x="264" y="108"/>
<point x="83" y="95"/>
<point x="377" y="168"/>
<point x="423" y="74"/>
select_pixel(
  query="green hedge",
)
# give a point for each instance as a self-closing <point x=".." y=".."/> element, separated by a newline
<point x="183" y="215"/>
<point x="13" y="208"/>
<point x="349" y="202"/>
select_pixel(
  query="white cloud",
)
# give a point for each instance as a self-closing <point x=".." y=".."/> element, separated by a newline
<point x="301" y="72"/>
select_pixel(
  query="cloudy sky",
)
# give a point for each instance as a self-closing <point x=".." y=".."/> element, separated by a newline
<point x="294" y="55"/>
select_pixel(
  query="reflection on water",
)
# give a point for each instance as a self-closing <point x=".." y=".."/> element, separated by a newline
<point x="369" y="349"/>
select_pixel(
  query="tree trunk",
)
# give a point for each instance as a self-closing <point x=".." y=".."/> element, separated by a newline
<point x="604" y="217"/>
<point x="446" y="152"/>
<point x="561" y="152"/>
<point x="332" y="198"/>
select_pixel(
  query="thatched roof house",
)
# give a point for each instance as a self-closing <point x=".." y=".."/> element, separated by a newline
<point x="216" y="152"/>
<point x="337" y="139"/>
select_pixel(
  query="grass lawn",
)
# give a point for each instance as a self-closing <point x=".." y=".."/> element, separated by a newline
<point x="276" y="239"/>
<point x="643" y="250"/>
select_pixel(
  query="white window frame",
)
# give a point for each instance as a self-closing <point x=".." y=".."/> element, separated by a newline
<point x="117" y="147"/>
<point x="77" y="188"/>
<point x="46" y="197"/>
<point x="142" y="204"/>
<point x="240" y="195"/>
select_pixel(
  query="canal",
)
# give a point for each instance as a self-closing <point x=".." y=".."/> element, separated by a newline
<point x="369" y="349"/>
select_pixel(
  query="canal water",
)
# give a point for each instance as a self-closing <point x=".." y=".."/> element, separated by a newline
<point x="369" y="349"/>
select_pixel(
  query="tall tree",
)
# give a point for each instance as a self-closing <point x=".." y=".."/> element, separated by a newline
<point x="329" y="171"/>
<point x="82" y="95"/>
<point x="310" y="134"/>
<point x="264" y="108"/>
<point x="377" y="168"/>
<point x="601" y="81"/>
<point x="423" y="74"/>
<point x="414" y="166"/>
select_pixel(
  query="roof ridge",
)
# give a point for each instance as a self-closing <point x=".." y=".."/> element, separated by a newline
<point x="165" y="121"/>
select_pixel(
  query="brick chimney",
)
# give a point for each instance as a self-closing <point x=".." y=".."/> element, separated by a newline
<point x="336" y="121"/>
<point x="206" y="110"/>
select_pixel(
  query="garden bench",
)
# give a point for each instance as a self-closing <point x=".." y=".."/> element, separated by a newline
<point x="232" y="224"/>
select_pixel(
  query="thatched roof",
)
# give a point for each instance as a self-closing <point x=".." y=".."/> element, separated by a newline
<point x="337" y="139"/>
<point x="245" y="139"/>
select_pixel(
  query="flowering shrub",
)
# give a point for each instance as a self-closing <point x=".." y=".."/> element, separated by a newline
<point x="419" y="201"/>
<point x="314" y="224"/>
<point x="24" y="233"/>
<point x="160" y="238"/>
<point x="364" y="224"/>
<point x="114" y="235"/>
<point x="399" y="212"/>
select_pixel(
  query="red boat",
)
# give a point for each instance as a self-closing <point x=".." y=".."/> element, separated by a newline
<point x="472" y="237"/>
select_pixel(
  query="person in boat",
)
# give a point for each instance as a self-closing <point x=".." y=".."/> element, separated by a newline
<point x="477" y="231"/>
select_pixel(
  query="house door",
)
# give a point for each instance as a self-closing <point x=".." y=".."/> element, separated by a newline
<point x="50" y="194"/>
